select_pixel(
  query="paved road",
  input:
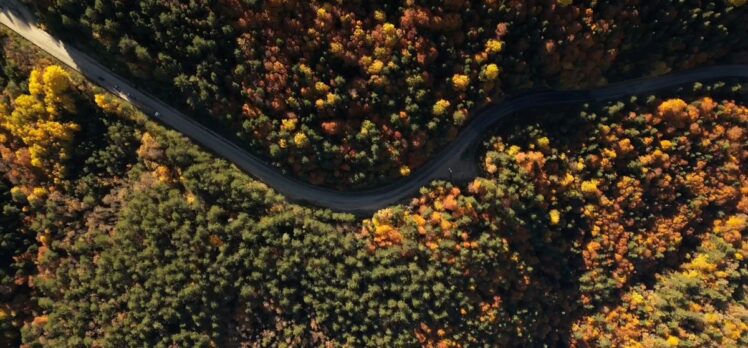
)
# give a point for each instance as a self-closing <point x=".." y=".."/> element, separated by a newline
<point x="457" y="162"/>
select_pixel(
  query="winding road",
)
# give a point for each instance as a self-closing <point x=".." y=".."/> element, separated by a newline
<point x="456" y="162"/>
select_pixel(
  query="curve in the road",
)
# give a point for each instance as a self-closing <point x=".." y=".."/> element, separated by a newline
<point x="454" y="162"/>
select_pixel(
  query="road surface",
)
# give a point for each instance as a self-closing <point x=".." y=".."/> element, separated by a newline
<point x="457" y="162"/>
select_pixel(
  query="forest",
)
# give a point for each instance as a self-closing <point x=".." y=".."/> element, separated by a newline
<point x="621" y="224"/>
<point x="349" y="94"/>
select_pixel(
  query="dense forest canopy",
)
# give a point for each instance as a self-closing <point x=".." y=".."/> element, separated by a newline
<point x="351" y="93"/>
<point x="604" y="225"/>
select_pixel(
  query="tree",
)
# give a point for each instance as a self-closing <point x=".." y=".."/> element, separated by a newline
<point x="36" y="120"/>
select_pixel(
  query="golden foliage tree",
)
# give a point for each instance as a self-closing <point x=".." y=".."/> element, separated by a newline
<point x="35" y="120"/>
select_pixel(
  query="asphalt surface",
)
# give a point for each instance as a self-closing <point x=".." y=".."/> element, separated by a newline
<point x="457" y="162"/>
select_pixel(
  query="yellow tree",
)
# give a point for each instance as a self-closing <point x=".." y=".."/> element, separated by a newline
<point x="34" y="120"/>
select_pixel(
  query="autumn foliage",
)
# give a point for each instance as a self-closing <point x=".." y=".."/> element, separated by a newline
<point x="621" y="224"/>
<point x="625" y="192"/>
<point x="35" y="120"/>
<point x="416" y="71"/>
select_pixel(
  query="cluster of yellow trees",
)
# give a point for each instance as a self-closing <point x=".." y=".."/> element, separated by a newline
<point x="36" y="121"/>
